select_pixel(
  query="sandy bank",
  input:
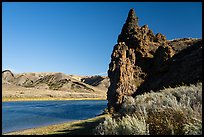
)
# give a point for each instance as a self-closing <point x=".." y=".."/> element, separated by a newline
<point x="10" y="99"/>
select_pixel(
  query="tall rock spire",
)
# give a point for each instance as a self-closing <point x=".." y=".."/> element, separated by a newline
<point x="129" y="28"/>
<point x="130" y="60"/>
<point x="132" y="19"/>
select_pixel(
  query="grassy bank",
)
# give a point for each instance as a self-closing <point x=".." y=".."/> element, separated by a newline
<point x="10" y="99"/>
<point x="81" y="127"/>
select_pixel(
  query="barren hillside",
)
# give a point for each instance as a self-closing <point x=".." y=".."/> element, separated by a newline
<point x="51" y="85"/>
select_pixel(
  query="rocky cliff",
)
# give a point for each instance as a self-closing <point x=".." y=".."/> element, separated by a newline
<point x="142" y="61"/>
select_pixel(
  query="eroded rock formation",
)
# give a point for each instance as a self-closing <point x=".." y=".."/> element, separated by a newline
<point x="138" y="56"/>
<point x="7" y="76"/>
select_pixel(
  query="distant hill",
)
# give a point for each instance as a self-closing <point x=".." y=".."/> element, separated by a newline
<point x="55" y="82"/>
<point x="101" y="82"/>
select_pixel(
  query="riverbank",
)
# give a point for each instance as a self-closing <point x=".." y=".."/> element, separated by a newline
<point x="80" y="127"/>
<point x="11" y="99"/>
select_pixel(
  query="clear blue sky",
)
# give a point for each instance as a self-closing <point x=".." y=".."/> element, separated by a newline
<point x="78" y="38"/>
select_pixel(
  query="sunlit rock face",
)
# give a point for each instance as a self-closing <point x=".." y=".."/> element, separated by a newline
<point x="138" y="56"/>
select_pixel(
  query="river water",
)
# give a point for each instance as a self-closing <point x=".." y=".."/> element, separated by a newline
<point x="30" y="114"/>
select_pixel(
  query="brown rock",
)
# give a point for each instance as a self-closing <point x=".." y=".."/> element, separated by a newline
<point x="130" y="60"/>
<point x="185" y="67"/>
<point x="142" y="61"/>
<point x="160" y="38"/>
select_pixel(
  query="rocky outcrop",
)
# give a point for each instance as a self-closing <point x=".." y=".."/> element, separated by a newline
<point x="180" y="44"/>
<point x="138" y="60"/>
<point x="7" y="76"/>
<point x="182" y="68"/>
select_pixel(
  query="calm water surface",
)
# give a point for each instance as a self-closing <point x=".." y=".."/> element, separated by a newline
<point x="30" y="114"/>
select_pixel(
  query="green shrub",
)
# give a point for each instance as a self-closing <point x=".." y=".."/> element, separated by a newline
<point x="127" y="125"/>
<point x="194" y="128"/>
<point x="172" y="111"/>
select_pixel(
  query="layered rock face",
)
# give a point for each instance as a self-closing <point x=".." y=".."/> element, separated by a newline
<point x="7" y="76"/>
<point x="138" y="56"/>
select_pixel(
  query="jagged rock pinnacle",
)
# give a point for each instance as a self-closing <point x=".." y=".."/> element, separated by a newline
<point x="129" y="27"/>
<point x="132" y="18"/>
<point x="142" y="61"/>
<point x="131" y="60"/>
<point x="131" y="22"/>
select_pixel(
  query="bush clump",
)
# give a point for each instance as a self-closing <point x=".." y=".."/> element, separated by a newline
<point x="171" y="111"/>
<point x="127" y="125"/>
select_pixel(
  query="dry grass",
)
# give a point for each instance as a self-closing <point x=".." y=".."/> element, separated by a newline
<point x="172" y="111"/>
<point x="45" y="99"/>
<point x="17" y="93"/>
<point x="127" y="125"/>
